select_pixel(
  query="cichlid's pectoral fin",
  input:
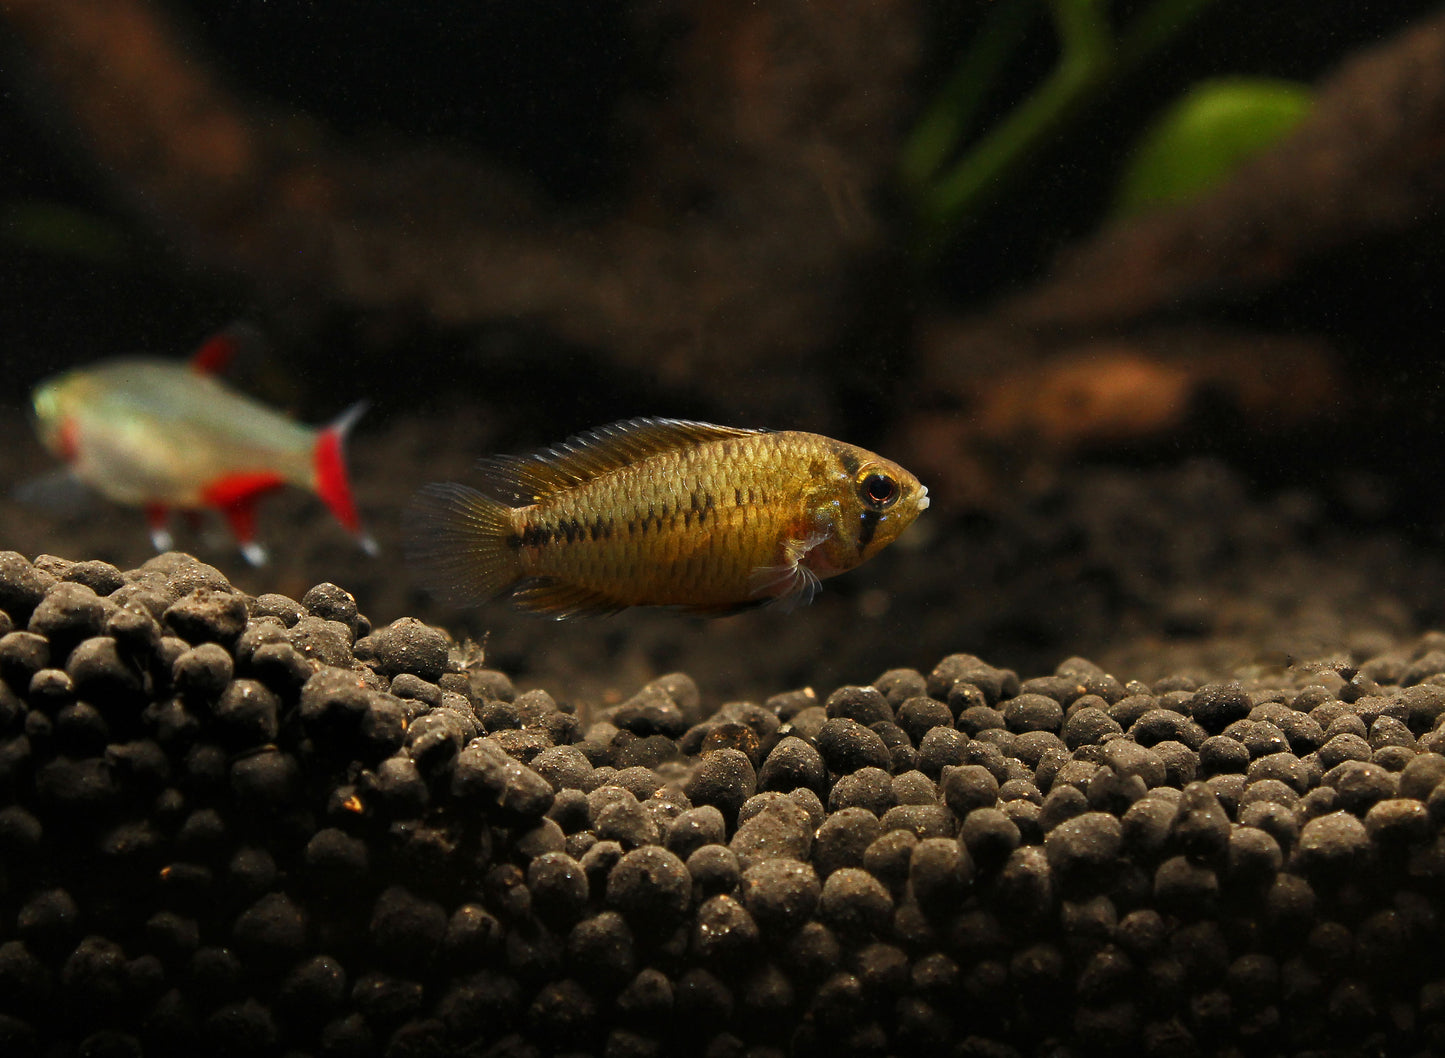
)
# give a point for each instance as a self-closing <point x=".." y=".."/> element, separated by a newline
<point x="790" y="583"/>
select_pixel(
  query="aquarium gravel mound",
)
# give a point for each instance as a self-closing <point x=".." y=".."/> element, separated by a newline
<point x="235" y="825"/>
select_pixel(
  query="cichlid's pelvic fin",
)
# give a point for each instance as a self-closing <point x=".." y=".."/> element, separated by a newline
<point x="583" y="457"/>
<point x="553" y="598"/>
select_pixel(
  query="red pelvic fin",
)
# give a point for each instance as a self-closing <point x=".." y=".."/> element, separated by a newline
<point x="333" y="484"/>
<point x="235" y="497"/>
<point x="158" y="518"/>
<point x="242" y="518"/>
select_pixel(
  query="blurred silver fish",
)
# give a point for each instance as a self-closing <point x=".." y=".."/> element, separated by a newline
<point x="169" y="436"/>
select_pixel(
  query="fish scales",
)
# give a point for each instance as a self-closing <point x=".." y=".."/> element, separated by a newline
<point x="661" y="512"/>
<point x="682" y="528"/>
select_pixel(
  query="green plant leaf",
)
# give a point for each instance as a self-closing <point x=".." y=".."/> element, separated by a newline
<point x="950" y="170"/>
<point x="1200" y="141"/>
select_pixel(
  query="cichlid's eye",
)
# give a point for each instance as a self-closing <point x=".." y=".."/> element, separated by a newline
<point x="878" y="491"/>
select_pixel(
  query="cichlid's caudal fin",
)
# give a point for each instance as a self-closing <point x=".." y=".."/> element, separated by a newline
<point x="527" y="479"/>
<point x="459" y="543"/>
<point x="333" y="484"/>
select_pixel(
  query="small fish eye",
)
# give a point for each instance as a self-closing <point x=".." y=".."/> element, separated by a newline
<point x="879" y="491"/>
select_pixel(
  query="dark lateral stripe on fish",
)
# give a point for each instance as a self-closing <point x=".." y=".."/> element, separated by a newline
<point x="540" y="534"/>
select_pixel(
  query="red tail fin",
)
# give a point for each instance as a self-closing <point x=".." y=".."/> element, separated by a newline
<point x="332" y="483"/>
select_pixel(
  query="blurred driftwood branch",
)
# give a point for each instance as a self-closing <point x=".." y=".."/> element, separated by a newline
<point x="731" y="262"/>
<point x="751" y="196"/>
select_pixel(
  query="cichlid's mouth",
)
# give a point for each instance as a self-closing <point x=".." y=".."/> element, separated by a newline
<point x="923" y="497"/>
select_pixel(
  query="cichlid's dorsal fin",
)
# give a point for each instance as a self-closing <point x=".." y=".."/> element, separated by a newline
<point x="589" y="455"/>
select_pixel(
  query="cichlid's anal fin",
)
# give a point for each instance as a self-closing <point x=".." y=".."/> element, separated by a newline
<point x="461" y="543"/>
<point x="526" y="479"/>
<point x="555" y="598"/>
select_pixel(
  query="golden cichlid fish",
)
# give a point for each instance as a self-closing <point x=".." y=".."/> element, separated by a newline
<point x="661" y="512"/>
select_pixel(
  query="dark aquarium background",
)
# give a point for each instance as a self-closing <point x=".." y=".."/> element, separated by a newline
<point x="501" y="225"/>
<point x="1146" y="292"/>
